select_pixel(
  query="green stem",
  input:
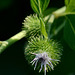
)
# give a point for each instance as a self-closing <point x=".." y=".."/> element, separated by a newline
<point x="12" y="40"/>
<point x="58" y="30"/>
<point x="40" y="8"/>
<point x="50" y="19"/>
<point x="43" y="30"/>
<point x="60" y="12"/>
<point x="50" y="24"/>
<point x="20" y="35"/>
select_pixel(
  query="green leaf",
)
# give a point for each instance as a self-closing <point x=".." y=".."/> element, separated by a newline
<point x="39" y="5"/>
<point x="43" y="30"/>
<point x="67" y="2"/>
<point x="49" y="11"/>
<point x="69" y="31"/>
<point x="70" y="6"/>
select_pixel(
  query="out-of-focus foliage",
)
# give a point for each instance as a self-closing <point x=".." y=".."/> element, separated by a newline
<point x="70" y="6"/>
<point x="69" y="31"/>
<point x="67" y="2"/>
<point x="5" y="4"/>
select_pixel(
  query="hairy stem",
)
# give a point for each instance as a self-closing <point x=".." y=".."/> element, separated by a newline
<point x="12" y="40"/>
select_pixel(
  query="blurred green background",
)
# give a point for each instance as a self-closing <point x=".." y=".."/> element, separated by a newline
<point x="12" y="61"/>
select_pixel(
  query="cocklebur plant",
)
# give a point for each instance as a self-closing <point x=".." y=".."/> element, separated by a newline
<point x="31" y="25"/>
<point x="33" y="22"/>
<point x="42" y="51"/>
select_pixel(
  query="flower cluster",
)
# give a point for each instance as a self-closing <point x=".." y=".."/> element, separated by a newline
<point x="44" y="60"/>
<point x="44" y="52"/>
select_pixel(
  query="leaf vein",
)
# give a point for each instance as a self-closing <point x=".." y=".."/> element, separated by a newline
<point x="71" y="25"/>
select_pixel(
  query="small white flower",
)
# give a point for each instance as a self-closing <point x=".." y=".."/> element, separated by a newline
<point x="44" y="60"/>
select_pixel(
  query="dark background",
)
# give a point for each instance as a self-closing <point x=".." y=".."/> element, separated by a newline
<point x="12" y="61"/>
